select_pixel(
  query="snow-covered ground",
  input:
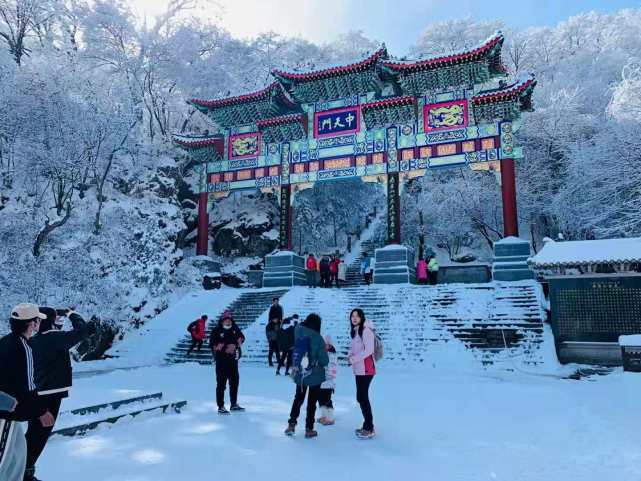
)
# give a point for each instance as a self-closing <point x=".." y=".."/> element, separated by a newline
<point x="432" y="425"/>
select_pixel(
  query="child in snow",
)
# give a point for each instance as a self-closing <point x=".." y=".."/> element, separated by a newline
<point x="327" y="388"/>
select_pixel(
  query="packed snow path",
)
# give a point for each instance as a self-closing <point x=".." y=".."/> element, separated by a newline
<point x="431" y="425"/>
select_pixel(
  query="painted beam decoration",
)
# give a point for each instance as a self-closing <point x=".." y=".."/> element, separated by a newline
<point x="368" y="119"/>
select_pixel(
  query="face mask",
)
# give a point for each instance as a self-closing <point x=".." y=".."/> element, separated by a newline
<point x="226" y="327"/>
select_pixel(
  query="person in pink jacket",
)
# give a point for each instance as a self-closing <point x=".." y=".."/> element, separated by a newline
<point x="421" y="271"/>
<point x="361" y="357"/>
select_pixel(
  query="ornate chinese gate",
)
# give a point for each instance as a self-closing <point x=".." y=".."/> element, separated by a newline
<point x="379" y="119"/>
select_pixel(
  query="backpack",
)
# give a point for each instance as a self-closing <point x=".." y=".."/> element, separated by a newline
<point x="192" y="326"/>
<point x="300" y="358"/>
<point x="379" y="349"/>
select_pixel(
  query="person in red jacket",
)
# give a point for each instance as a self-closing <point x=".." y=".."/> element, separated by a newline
<point x="333" y="271"/>
<point x="311" y="270"/>
<point x="197" y="329"/>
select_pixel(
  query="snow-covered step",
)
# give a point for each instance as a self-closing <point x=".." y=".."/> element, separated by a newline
<point x="248" y="307"/>
<point x="483" y="320"/>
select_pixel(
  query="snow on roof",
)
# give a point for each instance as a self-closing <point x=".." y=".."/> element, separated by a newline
<point x="468" y="54"/>
<point x="576" y="253"/>
<point x="333" y="70"/>
<point x="632" y="341"/>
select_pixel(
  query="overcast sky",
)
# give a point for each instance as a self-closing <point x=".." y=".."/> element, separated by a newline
<point x="398" y="23"/>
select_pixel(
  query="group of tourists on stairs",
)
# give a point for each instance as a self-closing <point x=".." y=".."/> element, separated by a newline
<point x="427" y="270"/>
<point x="329" y="270"/>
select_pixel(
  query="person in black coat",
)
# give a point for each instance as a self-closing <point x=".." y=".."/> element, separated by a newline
<point x="275" y="310"/>
<point x="17" y="375"/>
<point x="225" y="342"/>
<point x="325" y="272"/>
<point x="271" y="330"/>
<point x="286" y="343"/>
<point x="52" y="361"/>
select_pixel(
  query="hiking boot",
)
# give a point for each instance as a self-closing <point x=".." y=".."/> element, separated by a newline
<point x="30" y="475"/>
<point x="236" y="408"/>
<point x="291" y="430"/>
<point x="222" y="410"/>
<point x="366" y="434"/>
<point x="310" y="433"/>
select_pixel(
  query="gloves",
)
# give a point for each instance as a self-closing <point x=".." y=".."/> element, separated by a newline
<point x="91" y="328"/>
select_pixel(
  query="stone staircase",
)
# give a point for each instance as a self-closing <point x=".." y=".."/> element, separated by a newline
<point x="246" y="309"/>
<point x="472" y="324"/>
<point x="354" y="277"/>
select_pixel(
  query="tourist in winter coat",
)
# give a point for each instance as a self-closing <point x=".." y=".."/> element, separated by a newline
<point x="342" y="270"/>
<point x="286" y="343"/>
<point x="328" y="387"/>
<point x="361" y="357"/>
<point x="432" y="268"/>
<point x="52" y="361"/>
<point x="271" y="332"/>
<point x="17" y="374"/>
<point x="225" y="342"/>
<point x="13" y="451"/>
<point x="275" y="310"/>
<point x="198" y="331"/>
<point x="325" y="272"/>
<point x="367" y="268"/>
<point x="310" y="270"/>
<point x="309" y="374"/>
<point x="333" y="271"/>
<point x="421" y="271"/>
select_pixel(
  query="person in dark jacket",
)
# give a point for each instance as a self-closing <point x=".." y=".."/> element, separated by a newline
<point x="275" y="310"/>
<point x="225" y="342"/>
<point x="271" y="332"/>
<point x="53" y="372"/>
<point x="325" y="272"/>
<point x="17" y="375"/>
<point x="286" y="343"/>
<point x="313" y="376"/>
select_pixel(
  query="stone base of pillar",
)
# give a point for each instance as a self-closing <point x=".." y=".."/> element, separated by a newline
<point x="284" y="269"/>
<point x="510" y="260"/>
<point x="394" y="264"/>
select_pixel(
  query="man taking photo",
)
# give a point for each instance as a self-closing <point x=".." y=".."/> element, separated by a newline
<point x="51" y="348"/>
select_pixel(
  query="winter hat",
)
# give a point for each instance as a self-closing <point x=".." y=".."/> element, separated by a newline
<point x="26" y="312"/>
<point x="226" y="315"/>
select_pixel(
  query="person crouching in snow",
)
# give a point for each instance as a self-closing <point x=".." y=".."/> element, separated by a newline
<point x="197" y="329"/>
<point x="225" y="342"/>
<point x="328" y="387"/>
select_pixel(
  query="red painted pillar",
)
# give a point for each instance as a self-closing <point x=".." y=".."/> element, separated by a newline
<point x="508" y="192"/>
<point x="202" y="241"/>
